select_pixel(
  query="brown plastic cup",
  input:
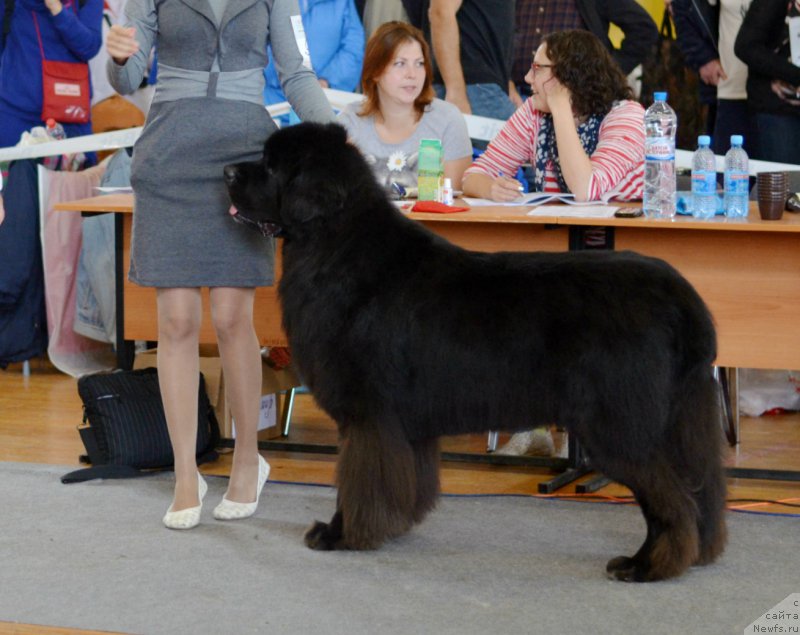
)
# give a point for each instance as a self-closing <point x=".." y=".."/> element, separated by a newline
<point x="771" y="184"/>
<point x="771" y="209"/>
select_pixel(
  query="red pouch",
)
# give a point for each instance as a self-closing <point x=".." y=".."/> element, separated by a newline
<point x="65" y="88"/>
<point x="65" y="91"/>
<point x="432" y="207"/>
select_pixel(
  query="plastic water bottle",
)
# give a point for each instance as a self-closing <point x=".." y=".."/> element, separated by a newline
<point x="660" y="126"/>
<point x="55" y="130"/>
<point x="704" y="180"/>
<point x="737" y="180"/>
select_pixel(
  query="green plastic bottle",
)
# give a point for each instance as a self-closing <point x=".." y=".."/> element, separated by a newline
<point x="430" y="170"/>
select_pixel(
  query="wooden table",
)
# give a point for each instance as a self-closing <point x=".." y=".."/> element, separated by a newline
<point x="747" y="270"/>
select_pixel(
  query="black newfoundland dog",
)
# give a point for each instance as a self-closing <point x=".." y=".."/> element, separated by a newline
<point x="404" y="337"/>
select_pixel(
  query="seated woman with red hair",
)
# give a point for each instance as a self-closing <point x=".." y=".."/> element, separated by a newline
<point x="399" y="109"/>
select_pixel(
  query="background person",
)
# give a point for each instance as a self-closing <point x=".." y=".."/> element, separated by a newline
<point x="581" y="131"/>
<point x="400" y="109"/>
<point x="706" y="34"/>
<point x="336" y="45"/>
<point x="70" y="32"/>
<point x="536" y="18"/>
<point x="773" y="82"/>
<point x="472" y="46"/>
<point x="207" y="112"/>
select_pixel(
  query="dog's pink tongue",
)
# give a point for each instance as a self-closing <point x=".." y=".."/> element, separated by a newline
<point x="233" y="211"/>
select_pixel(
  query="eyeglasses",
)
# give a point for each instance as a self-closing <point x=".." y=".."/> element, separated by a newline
<point x="536" y="67"/>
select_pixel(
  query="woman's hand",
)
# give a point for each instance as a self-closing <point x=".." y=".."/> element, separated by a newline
<point x="557" y="96"/>
<point x="121" y="43"/>
<point x="499" y="188"/>
<point x="53" y="6"/>
<point x="504" y="189"/>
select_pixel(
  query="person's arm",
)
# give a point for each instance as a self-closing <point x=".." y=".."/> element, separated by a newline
<point x="446" y="41"/>
<point x="82" y="33"/>
<point x="129" y="46"/>
<point x="489" y="176"/>
<point x="343" y="70"/>
<point x="694" y="35"/>
<point x="454" y="170"/>
<point x="758" y="36"/>
<point x="513" y="94"/>
<point x="576" y="166"/>
<point x="639" y="30"/>
<point x="619" y="151"/>
<point x="293" y="64"/>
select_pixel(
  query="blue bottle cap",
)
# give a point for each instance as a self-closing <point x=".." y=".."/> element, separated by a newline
<point x="660" y="96"/>
<point x="737" y="139"/>
<point x="704" y="140"/>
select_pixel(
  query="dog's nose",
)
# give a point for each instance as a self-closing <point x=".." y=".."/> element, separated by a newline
<point x="230" y="173"/>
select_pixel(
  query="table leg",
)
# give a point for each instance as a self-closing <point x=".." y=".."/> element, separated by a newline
<point x="125" y="348"/>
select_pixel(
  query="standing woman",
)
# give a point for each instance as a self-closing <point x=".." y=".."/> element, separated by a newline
<point x="69" y="32"/>
<point x="207" y="112"/>
<point x="580" y="130"/>
<point x="399" y="109"/>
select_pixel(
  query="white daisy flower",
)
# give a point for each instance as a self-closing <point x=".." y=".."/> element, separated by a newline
<point x="396" y="162"/>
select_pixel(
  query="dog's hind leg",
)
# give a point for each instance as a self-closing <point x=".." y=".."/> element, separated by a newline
<point x="426" y="466"/>
<point x="700" y="439"/>
<point x="377" y="490"/>
<point x="672" y="543"/>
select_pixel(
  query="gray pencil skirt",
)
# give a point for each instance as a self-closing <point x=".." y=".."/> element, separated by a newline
<point x="183" y="235"/>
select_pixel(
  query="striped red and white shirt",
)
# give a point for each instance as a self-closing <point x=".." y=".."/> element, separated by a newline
<point x="617" y="162"/>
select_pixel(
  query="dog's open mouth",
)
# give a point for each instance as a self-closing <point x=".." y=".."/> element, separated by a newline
<point x="264" y="228"/>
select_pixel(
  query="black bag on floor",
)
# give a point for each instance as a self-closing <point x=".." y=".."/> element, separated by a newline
<point x="124" y="427"/>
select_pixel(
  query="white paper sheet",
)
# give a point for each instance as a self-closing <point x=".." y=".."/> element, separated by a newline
<point x="575" y="211"/>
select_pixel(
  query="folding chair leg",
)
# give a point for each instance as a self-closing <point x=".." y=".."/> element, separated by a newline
<point x="491" y="444"/>
<point x="286" y="415"/>
<point x="728" y="379"/>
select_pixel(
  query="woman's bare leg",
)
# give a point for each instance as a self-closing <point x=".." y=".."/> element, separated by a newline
<point x="232" y="315"/>
<point x="179" y="318"/>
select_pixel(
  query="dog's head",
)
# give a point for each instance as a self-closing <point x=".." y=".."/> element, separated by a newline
<point x="305" y="174"/>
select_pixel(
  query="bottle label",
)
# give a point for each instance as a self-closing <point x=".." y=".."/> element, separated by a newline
<point x="704" y="182"/>
<point x="737" y="183"/>
<point x="659" y="149"/>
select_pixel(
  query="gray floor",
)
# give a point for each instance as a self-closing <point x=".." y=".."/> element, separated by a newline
<point x="95" y="556"/>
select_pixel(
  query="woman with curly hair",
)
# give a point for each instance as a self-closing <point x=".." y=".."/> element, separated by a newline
<point x="580" y="130"/>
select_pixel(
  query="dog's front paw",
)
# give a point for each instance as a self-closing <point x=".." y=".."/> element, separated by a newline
<point x="625" y="569"/>
<point x="320" y="537"/>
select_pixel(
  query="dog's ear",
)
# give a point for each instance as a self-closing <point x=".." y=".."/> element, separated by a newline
<point x="314" y="194"/>
<point x="317" y="186"/>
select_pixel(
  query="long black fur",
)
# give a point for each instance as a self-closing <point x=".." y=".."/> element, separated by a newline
<point x="404" y="337"/>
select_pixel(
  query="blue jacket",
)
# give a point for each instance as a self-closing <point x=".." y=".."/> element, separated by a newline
<point x="74" y="35"/>
<point x="335" y="39"/>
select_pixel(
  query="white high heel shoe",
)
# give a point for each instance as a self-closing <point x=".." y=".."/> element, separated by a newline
<point x="189" y="517"/>
<point x="231" y="510"/>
